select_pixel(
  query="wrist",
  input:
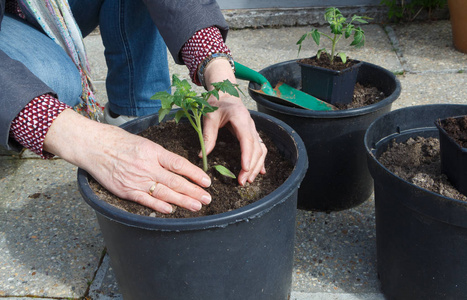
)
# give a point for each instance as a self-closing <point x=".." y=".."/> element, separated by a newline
<point x="214" y="59"/>
<point x="218" y="71"/>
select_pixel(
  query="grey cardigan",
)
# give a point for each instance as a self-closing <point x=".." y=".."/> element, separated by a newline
<point x="177" y="21"/>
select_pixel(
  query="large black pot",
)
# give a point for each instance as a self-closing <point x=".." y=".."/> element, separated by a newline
<point x="421" y="236"/>
<point x="338" y="176"/>
<point x="242" y="254"/>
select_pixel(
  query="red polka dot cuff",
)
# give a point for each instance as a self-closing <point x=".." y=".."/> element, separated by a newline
<point x="33" y="122"/>
<point x="201" y="45"/>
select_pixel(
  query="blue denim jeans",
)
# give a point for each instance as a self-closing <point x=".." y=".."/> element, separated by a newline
<point x="135" y="54"/>
<point x="42" y="56"/>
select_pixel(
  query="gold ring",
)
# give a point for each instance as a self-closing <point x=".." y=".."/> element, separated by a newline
<point x="152" y="188"/>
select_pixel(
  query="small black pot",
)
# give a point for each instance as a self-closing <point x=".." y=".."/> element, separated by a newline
<point x="242" y="254"/>
<point x="421" y="236"/>
<point x="453" y="158"/>
<point x="335" y="87"/>
<point x="338" y="176"/>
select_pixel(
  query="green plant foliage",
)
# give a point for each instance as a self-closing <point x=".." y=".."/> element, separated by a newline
<point x="339" y="27"/>
<point x="193" y="106"/>
<point x="408" y="10"/>
<point x="224" y="171"/>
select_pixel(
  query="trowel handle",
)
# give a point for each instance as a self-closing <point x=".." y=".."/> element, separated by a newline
<point x="245" y="73"/>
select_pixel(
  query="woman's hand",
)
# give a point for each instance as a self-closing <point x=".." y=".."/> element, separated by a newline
<point x="129" y="166"/>
<point x="232" y="113"/>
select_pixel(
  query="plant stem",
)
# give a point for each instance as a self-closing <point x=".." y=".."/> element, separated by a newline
<point x="197" y="126"/>
<point x="201" y="142"/>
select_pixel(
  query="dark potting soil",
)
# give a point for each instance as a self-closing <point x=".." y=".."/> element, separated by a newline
<point x="456" y="128"/>
<point x="418" y="161"/>
<point x="363" y="96"/>
<point x="226" y="193"/>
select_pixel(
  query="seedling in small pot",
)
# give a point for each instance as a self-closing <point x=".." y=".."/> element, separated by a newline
<point x="194" y="107"/>
<point x="339" y="27"/>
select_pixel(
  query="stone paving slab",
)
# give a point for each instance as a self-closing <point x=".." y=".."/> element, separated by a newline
<point x="427" y="47"/>
<point x="50" y="242"/>
<point x="432" y="88"/>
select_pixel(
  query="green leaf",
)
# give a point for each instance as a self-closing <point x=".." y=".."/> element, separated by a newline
<point x="162" y="113"/>
<point x="224" y="171"/>
<point x="343" y="57"/>
<point x="164" y="97"/>
<point x="214" y="93"/>
<point x="302" y="38"/>
<point x="336" y="28"/>
<point x="316" y="36"/>
<point x="178" y="99"/>
<point x="200" y="102"/>
<point x="178" y="115"/>
<point x="359" y="38"/>
<point x="227" y="87"/>
<point x="348" y="31"/>
<point x="209" y="109"/>
<point x="318" y="54"/>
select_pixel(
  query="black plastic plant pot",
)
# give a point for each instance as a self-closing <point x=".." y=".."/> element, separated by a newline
<point x="338" y="177"/>
<point x="242" y="254"/>
<point x="453" y="157"/>
<point x="335" y="87"/>
<point x="421" y="236"/>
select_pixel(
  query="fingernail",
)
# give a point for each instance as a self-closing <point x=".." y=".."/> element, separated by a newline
<point x="195" y="206"/>
<point x="243" y="181"/>
<point x="206" y="199"/>
<point x="168" y="210"/>
<point x="206" y="181"/>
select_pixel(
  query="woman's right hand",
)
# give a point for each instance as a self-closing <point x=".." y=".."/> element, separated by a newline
<point x="128" y="165"/>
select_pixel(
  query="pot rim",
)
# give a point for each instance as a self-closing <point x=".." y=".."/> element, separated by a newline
<point x="441" y="128"/>
<point x="300" y="112"/>
<point x="357" y="64"/>
<point x="420" y="204"/>
<point x="253" y="210"/>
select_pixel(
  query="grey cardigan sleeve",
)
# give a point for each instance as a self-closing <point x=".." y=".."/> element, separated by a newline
<point x="18" y="87"/>
<point x="178" y="20"/>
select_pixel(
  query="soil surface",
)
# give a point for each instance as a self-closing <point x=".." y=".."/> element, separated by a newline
<point x="226" y="193"/>
<point x="418" y="161"/>
<point x="456" y="128"/>
<point x="363" y="94"/>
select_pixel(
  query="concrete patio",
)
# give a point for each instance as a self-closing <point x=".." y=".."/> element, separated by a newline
<point x="50" y="242"/>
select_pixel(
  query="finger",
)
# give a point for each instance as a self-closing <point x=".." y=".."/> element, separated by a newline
<point x="182" y="166"/>
<point x="259" y="168"/>
<point x="259" y="156"/>
<point x="168" y="195"/>
<point x="210" y="133"/>
<point x="153" y="203"/>
<point x="167" y="180"/>
<point x="250" y="148"/>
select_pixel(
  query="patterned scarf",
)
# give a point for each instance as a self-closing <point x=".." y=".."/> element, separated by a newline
<point x="56" y="19"/>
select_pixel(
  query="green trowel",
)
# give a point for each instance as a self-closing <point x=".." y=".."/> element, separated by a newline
<point x="282" y="93"/>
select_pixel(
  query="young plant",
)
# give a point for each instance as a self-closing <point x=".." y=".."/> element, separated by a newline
<point x="194" y="107"/>
<point x="339" y="27"/>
